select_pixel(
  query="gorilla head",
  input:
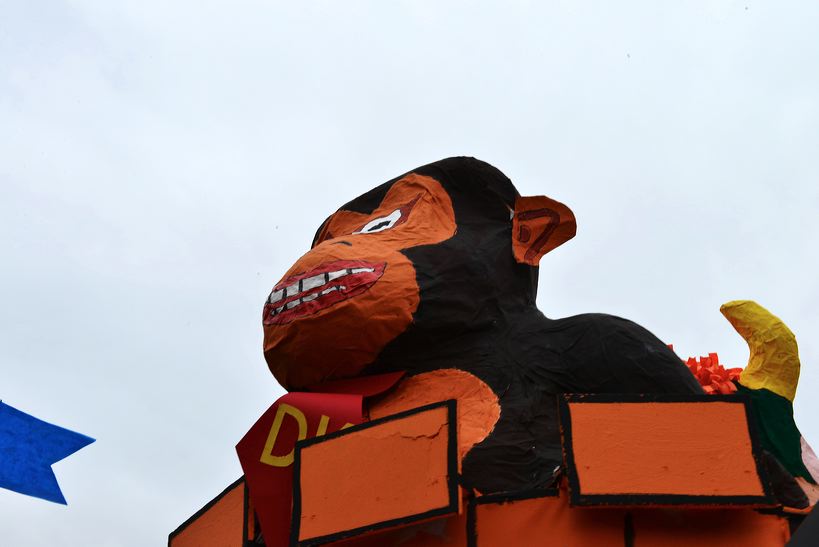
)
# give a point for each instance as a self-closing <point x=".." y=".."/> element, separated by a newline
<point x="445" y="249"/>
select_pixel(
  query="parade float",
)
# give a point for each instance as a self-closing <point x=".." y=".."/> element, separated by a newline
<point x="430" y="403"/>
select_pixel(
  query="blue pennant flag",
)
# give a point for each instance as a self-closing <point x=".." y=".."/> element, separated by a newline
<point x="28" y="447"/>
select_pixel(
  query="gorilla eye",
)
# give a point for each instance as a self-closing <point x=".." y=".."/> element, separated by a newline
<point x="381" y="223"/>
<point x="399" y="216"/>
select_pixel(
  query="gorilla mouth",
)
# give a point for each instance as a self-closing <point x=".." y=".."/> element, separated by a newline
<point x="328" y="284"/>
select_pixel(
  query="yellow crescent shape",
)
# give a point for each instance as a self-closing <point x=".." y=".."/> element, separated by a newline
<point x="774" y="360"/>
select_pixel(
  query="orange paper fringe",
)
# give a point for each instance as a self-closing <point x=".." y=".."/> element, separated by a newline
<point x="713" y="377"/>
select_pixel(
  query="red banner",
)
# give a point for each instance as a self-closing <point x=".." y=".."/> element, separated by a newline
<point x="266" y="451"/>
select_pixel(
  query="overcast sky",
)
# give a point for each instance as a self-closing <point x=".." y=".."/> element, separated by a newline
<point x="163" y="163"/>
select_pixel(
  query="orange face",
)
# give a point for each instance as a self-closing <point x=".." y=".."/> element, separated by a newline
<point x="354" y="292"/>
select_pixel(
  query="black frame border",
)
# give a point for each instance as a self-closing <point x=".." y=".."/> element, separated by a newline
<point x="577" y="498"/>
<point x="452" y="477"/>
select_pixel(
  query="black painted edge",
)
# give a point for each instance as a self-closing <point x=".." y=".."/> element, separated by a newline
<point x="471" y="523"/>
<point x="650" y="398"/>
<point x="577" y="498"/>
<point x="628" y="530"/>
<point x="452" y="477"/>
<point x="568" y="446"/>
<point x="206" y="507"/>
<point x="517" y="495"/>
<point x="632" y="500"/>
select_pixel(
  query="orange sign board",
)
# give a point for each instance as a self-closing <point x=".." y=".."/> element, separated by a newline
<point x="661" y="450"/>
<point x="392" y="471"/>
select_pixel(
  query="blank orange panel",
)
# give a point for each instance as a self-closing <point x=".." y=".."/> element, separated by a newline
<point x="673" y="448"/>
<point x="546" y="521"/>
<point x="708" y="528"/>
<point x="218" y="524"/>
<point x="389" y="472"/>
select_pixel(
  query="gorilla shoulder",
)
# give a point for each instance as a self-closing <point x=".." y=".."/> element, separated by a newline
<point x="608" y="354"/>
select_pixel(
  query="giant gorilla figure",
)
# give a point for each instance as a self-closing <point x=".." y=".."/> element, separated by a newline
<point x="435" y="273"/>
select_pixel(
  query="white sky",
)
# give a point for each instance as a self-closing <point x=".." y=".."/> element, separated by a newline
<point x="163" y="163"/>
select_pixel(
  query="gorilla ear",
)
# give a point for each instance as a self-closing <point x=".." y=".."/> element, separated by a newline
<point x="539" y="225"/>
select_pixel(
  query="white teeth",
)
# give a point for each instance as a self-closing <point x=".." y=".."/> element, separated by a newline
<point x="312" y="282"/>
<point x="309" y="284"/>
<point x="309" y="298"/>
<point x="292" y="290"/>
<point x="332" y="276"/>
